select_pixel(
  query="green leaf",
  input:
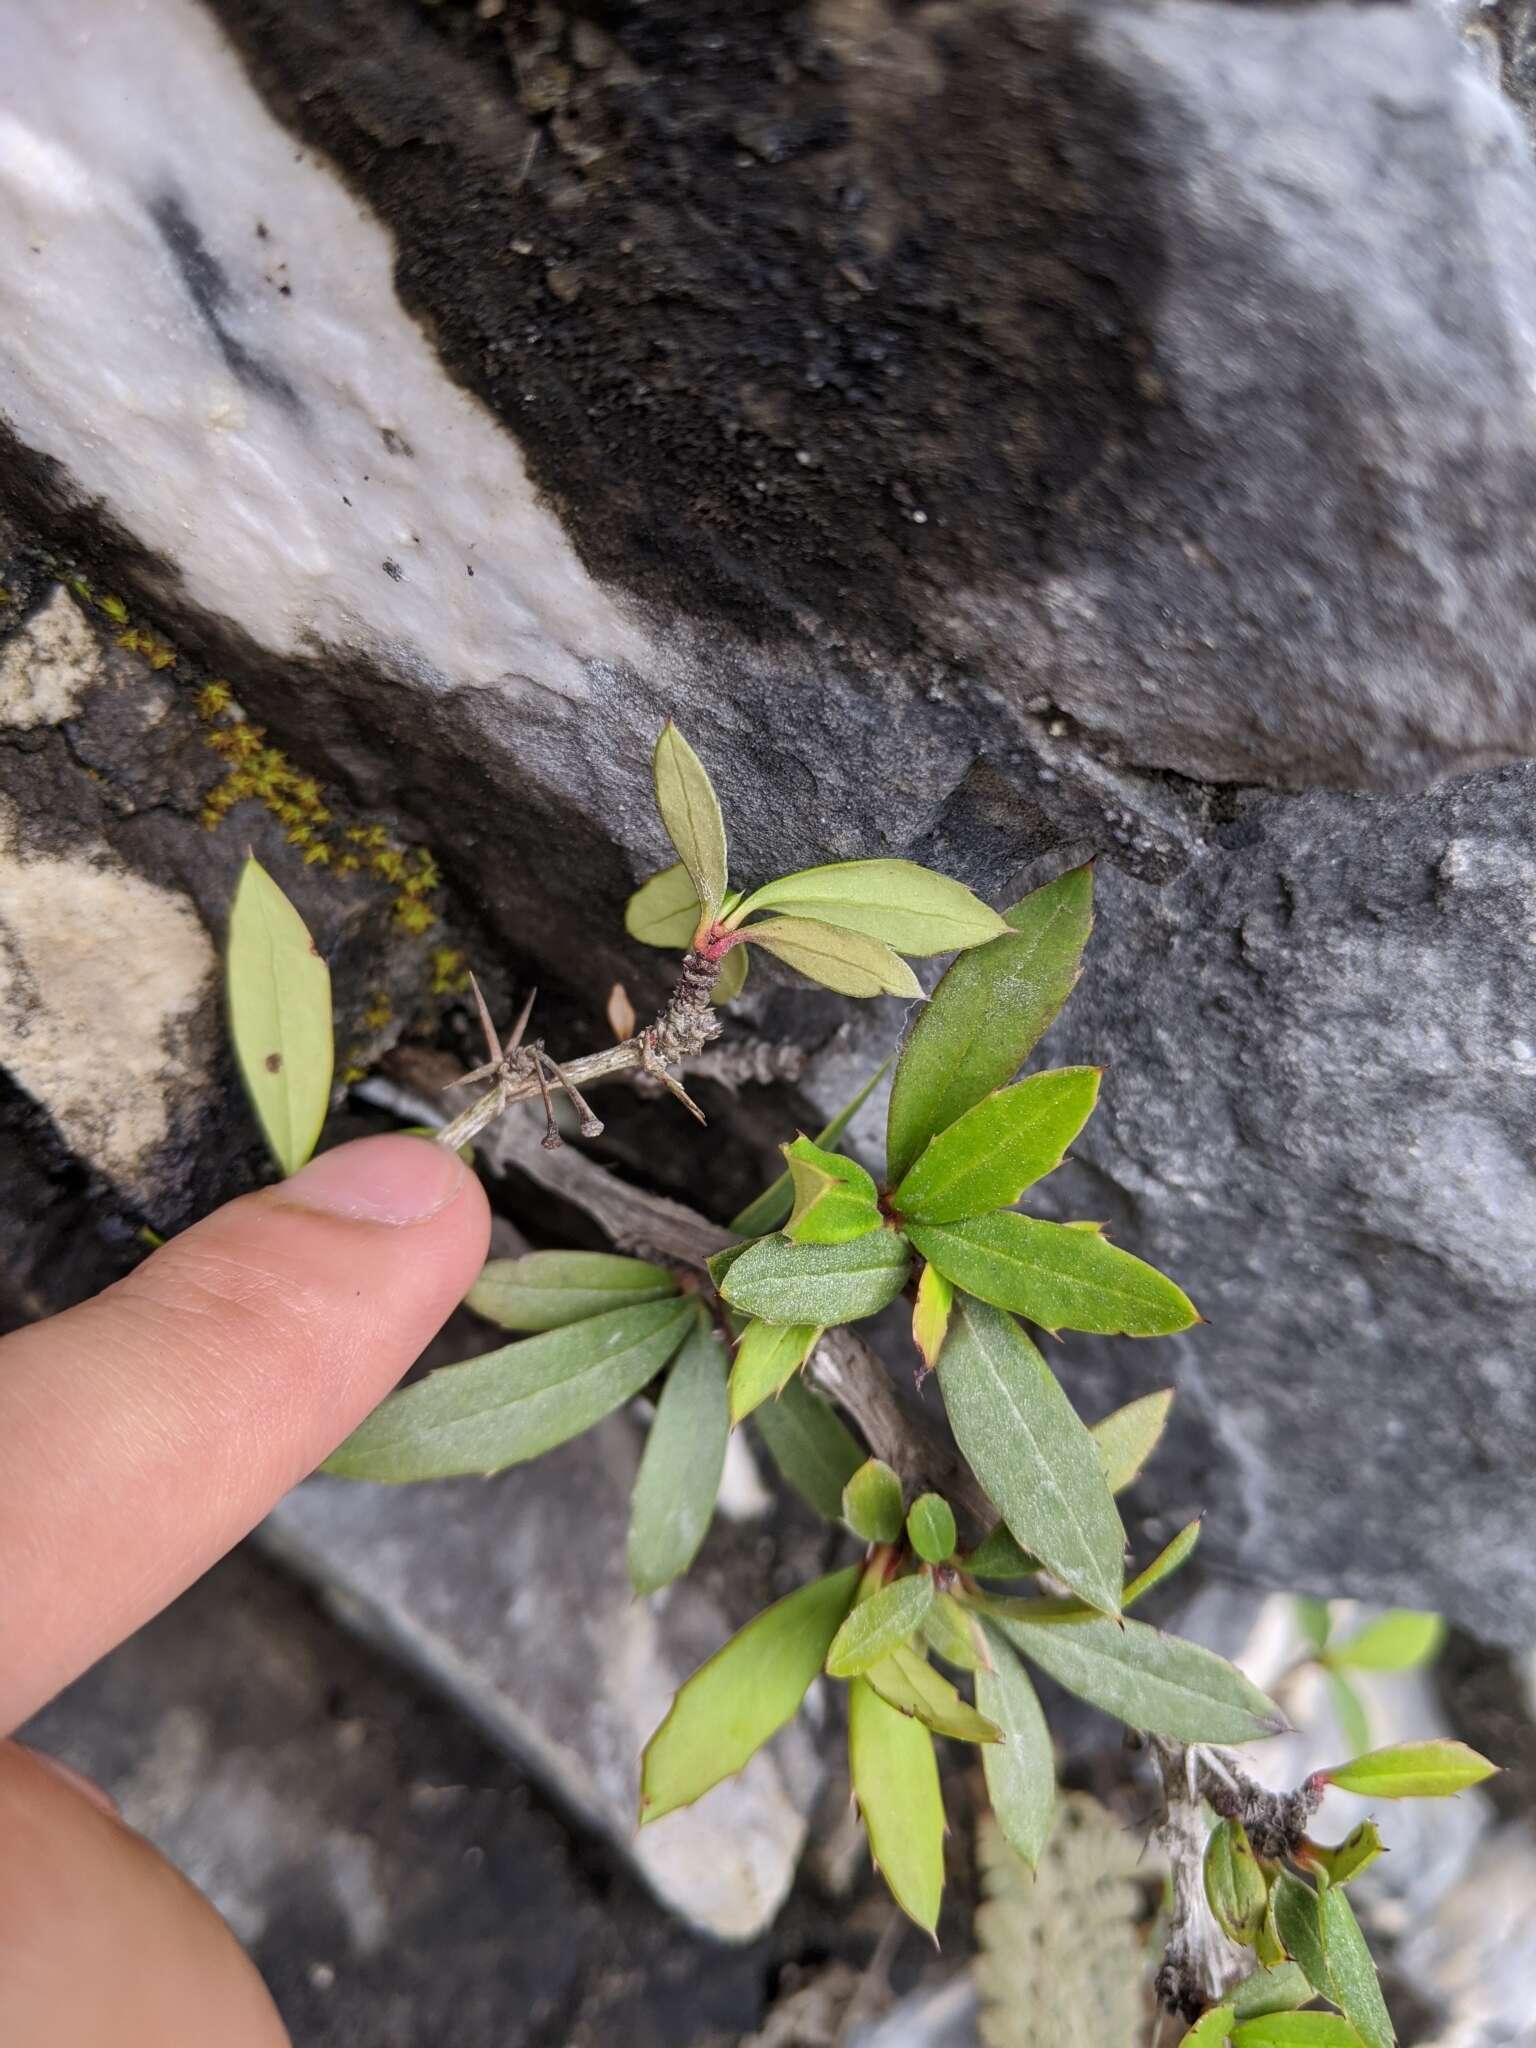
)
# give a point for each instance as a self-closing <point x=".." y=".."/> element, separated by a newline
<point x="1060" y="1278"/>
<point x="1399" y="1640"/>
<point x="1210" y="2030"/>
<point x="1021" y="1772"/>
<point x="872" y="1502"/>
<point x="279" y="992"/>
<point x="1412" y="1770"/>
<point x="732" y="978"/>
<point x="987" y="1014"/>
<point x="879" y="1625"/>
<point x="1236" y="1890"/>
<point x="767" y="1355"/>
<point x="904" y="1681"/>
<point x="1352" y="1983"/>
<point x="1296" y="2030"/>
<point x="906" y="906"/>
<point x="1167" y="1561"/>
<point x="1149" y="1680"/>
<point x="728" y="1709"/>
<point x="1279" y="1989"/>
<point x="1022" y="1438"/>
<point x="720" y="1263"/>
<point x="1314" y="1621"/>
<point x="1350" y="1712"/>
<point x="896" y="1782"/>
<point x="810" y="1446"/>
<point x="818" y="1283"/>
<point x="1165" y="1564"/>
<point x="846" y="962"/>
<point x="516" y="1403"/>
<point x="690" y="810"/>
<point x="835" y="1199"/>
<point x="989" y="1156"/>
<point x="547" y="1290"/>
<point x="930" y="1314"/>
<point x="1299" y="1923"/>
<point x="1358" y="1851"/>
<point x="998" y="1556"/>
<point x="665" y="911"/>
<point x="931" y="1528"/>
<point x="1129" y="1436"/>
<point x="679" y="1478"/>
<point x="955" y="1634"/>
<point x="773" y="1205"/>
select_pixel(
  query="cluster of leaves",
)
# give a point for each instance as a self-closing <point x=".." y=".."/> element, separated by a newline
<point x="1403" y="1639"/>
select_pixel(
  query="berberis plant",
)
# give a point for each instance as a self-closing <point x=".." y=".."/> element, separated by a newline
<point x="726" y="1325"/>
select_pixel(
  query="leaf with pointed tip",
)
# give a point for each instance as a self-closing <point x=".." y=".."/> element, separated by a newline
<point x="847" y="962"/>
<point x="1021" y="1773"/>
<point x="1352" y="1982"/>
<point x="679" y="1478"/>
<point x="1314" y="1621"/>
<point x="1343" y="1863"/>
<point x="1399" y="1640"/>
<point x="1298" y="1922"/>
<point x="810" y="1446"/>
<point x="872" y="1502"/>
<point x="767" y="1355"/>
<point x="1350" y="1712"/>
<point x="768" y="1210"/>
<point x="835" y="1199"/>
<point x="279" y="994"/>
<point x="1165" y="1564"/>
<point x="516" y="1403"/>
<point x="904" y="1681"/>
<point x="955" y="1634"/>
<point x="1236" y="1889"/>
<point x="1060" y="1278"/>
<point x="665" y="911"/>
<point x="732" y="978"/>
<point x="930" y="1314"/>
<point x="879" y="1625"/>
<point x="547" y="1290"/>
<point x="907" y="907"/>
<point x="1210" y="2030"/>
<point x="1412" y="1770"/>
<point x="998" y="1556"/>
<point x="1280" y="1988"/>
<point x="1296" y="2030"/>
<point x="1022" y="1438"/>
<point x="1128" y="1437"/>
<point x="987" y="1014"/>
<point x="896" y="1782"/>
<point x="818" y="1283"/>
<point x="989" y="1156"/>
<point x="690" y="811"/>
<point x="931" y="1528"/>
<point x="1167" y="1561"/>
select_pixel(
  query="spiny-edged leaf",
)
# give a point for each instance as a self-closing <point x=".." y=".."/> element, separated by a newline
<point x="987" y="1014"/>
<point x="1314" y="1621"/>
<point x="732" y="978"/>
<point x="849" y="963"/>
<point x="931" y="1528"/>
<point x="1279" y="1989"/>
<point x="1349" y="1710"/>
<point x="1022" y="1438"/>
<point x="818" y="1283"/>
<point x="1060" y="1278"/>
<point x="1236" y="1889"/>
<point x="728" y="1709"/>
<point x="768" y="1355"/>
<point x="930" y="1314"/>
<point x="665" y="911"/>
<point x="1352" y="1983"/>
<point x="1296" y="2030"/>
<point x="1412" y="1770"/>
<point x="908" y="907"/>
<point x="1344" y="1862"/>
<point x="1210" y="2030"/>
<point x="1399" y="1640"/>
<point x="514" y="1404"/>
<point x="904" y="1681"/>
<point x="989" y="1156"/>
<point x="279" y="992"/>
<point x="896" y="1782"/>
<point x="1299" y="1923"/>
<point x="1021" y="1772"/>
<point x="1149" y="1680"/>
<point x="872" y="1502"/>
<point x="769" y="1209"/>
<point x="679" y="1477"/>
<point x="1128" y="1437"/>
<point x="547" y="1290"/>
<point x="955" y="1634"/>
<point x="835" y="1199"/>
<point x="1165" y="1564"/>
<point x="690" y="810"/>
<point x="998" y="1556"/>
<point x="810" y="1446"/>
<point x="879" y="1625"/>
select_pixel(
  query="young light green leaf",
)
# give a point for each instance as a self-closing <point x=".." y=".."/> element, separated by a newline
<point x="516" y="1403"/>
<point x="1412" y="1770"/>
<point x="835" y="1199"/>
<point x="1350" y="1712"/>
<point x="810" y="1447"/>
<point x="279" y="992"/>
<point x="1165" y="1564"/>
<point x="1210" y="2030"/>
<point x="989" y="1156"/>
<point x="767" y="1355"/>
<point x="955" y="1634"/>
<point x="987" y="1014"/>
<point x="1280" y="1988"/>
<point x="1352" y="1981"/>
<point x="846" y="962"/>
<point x="1155" y="1682"/>
<point x="879" y="1625"/>
<point x="1314" y="1621"/>
<point x="931" y="1528"/>
<point x="896" y="1782"/>
<point x="872" y="1502"/>
<point x="1236" y="1890"/>
<point x="1022" y="1438"/>
<point x="674" y="1497"/>
<point x="906" y="906"/>
<point x="818" y="1283"/>
<point x="770" y="1208"/>
<point x="1296" y="2030"/>
<point x="1129" y="1436"/>
<point x="1021" y="1771"/>
<point x="904" y="1681"/>
<point x="1299" y="1923"/>
<point x="690" y="810"/>
<point x="1060" y="1278"/>
<point x="1399" y="1640"/>
<point x="1357" y="1852"/>
<point x="998" y="1556"/>
<point x="728" y="1709"/>
<point x="547" y="1290"/>
<point x="930" y="1314"/>
<point x="732" y="978"/>
<point x="665" y="911"/>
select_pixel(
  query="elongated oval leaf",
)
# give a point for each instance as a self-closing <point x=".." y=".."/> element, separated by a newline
<point x="1296" y="2030"/>
<point x="904" y="1681"/>
<point x="1412" y="1770"/>
<point x="848" y="962"/>
<point x="679" y="1478"/>
<point x="1057" y="1276"/>
<point x="769" y="1209"/>
<point x="954" y="1633"/>
<point x="1279" y="1989"/>
<point x="1165" y="1564"/>
<point x="930" y="1314"/>
<point x="879" y="1625"/>
<point x="547" y="1290"/>
<point x="872" y="1502"/>
<point x="732" y="978"/>
<point x="747" y="1691"/>
<point x="516" y="1403"/>
<point x="767" y="1355"/>
<point x="987" y="1014"/>
<point x="1399" y="1640"/>
<point x="896" y="1782"/>
<point x="279" y="992"/>
<point x="665" y="911"/>
<point x="1022" y="1438"/>
<point x="1129" y="1436"/>
<point x="1314" y="1620"/>
<point x="1236" y="1889"/>
<point x="835" y="1199"/>
<point x="1299" y="1924"/>
<point x="989" y="1156"/>
<point x="810" y="1446"/>
<point x="690" y="810"/>
<point x="909" y="907"/>
<point x="931" y="1528"/>
<point x="818" y="1283"/>
<point x="1021" y="1772"/>
<point x="998" y="1556"/>
<point x="1349" y="1711"/>
<point x="1352" y="1983"/>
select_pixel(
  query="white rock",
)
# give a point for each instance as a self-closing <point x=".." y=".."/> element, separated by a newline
<point x="48" y="665"/>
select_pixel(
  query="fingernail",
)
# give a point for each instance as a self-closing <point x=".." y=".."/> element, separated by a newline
<point x="77" y="1781"/>
<point x="378" y="1180"/>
